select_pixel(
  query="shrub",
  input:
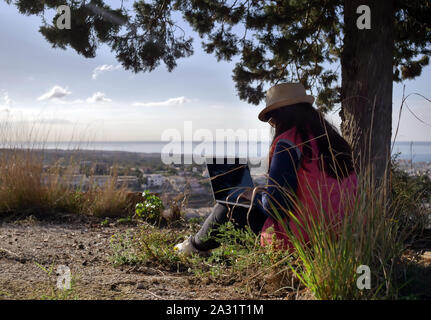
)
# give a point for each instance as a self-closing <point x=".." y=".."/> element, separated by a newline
<point x="150" y="208"/>
<point x="148" y="246"/>
<point x="411" y="194"/>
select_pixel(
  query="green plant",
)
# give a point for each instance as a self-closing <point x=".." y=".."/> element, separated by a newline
<point x="196" y="220"/>
<point x="125" y="220"/>
<point x="411" y="193"/>
<point x="150" y="208"/>
<point x="124" y="248"/>
<point x="149" y="246"/>
<point x="4" y="293"/>
<point x="240" y="259"/>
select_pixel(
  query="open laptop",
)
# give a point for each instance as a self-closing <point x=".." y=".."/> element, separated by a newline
<point x="229" y="178"/>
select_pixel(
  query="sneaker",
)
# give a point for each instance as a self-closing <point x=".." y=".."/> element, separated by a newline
<point x="186" y="247"/>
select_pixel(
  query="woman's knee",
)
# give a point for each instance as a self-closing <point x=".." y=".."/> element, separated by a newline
<point x="220" y="212"/>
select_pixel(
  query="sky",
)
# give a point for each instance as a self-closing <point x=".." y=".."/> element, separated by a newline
<point x="56" y="94"/>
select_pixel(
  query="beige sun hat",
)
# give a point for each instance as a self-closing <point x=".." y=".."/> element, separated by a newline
<point x="284" y="94"/>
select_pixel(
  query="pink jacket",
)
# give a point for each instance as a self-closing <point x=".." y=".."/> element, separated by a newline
<point x="316" y="193"/>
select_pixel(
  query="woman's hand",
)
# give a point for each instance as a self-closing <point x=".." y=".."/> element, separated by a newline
<point x="248" y="194"/>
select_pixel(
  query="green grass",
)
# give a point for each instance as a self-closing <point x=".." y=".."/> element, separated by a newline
<point x="4" y="293"/>
<point x="148" y="246"/>
<point x="240" y="260"/>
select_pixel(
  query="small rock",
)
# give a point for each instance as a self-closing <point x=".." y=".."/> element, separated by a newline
<point x="141" y="285"/>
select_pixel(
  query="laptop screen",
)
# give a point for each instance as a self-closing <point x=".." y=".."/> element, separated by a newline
<point x="229" y="180"/>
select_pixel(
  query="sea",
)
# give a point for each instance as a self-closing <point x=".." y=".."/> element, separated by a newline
<point x="416" y="151"/>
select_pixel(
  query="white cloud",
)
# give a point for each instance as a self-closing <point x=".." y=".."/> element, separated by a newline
<point x="77" y="101"/>
<point x="104" y="68"/>
<point x="56" y="92"/>
<point x="169" y="102"/>
<point x="98" y="97"/>
<point x="6" y="101"/>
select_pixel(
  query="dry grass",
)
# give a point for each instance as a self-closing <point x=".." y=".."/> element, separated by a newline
<point x="25" y="187"/>
<point x="109" y="200"/>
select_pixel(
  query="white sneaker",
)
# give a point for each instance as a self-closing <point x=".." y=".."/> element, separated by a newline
<point x="186" y="247"/>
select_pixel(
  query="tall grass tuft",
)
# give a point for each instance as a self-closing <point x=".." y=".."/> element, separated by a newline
<point x="374" y="232"/>
<point x="108" y="200"/>
<point x="20" y="181"/>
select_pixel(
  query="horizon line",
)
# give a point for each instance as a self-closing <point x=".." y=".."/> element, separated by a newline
<point x="181" y="141"/>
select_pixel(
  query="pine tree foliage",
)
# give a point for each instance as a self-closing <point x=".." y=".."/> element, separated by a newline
<point x="273" y="41"/>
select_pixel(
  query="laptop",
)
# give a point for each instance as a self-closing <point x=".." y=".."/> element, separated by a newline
<point x="229" y="177"/>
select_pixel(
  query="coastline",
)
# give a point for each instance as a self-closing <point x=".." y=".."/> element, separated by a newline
<point x="416" y="151"/>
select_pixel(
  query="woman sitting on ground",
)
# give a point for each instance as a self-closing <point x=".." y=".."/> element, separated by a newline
<point x="308" y="159"/>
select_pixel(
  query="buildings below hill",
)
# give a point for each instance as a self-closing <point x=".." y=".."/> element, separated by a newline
<point x="415" y="168"/>
<point x="139" y="172"/>
<point x="168" y="180"/>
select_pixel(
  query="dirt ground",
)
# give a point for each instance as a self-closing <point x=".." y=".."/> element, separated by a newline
<point x="82" y="244"/>
<point x="28" y="245"/>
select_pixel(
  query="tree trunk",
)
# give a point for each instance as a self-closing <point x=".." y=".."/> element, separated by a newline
<point x="366" y="93"/>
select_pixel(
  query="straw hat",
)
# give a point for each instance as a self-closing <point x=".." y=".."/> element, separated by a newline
<point x="284" y="94"/>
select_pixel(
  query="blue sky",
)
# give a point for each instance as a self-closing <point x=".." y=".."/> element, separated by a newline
<point x="73" y="98"/>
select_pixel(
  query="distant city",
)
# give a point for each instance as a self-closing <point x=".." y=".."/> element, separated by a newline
<point x="137" y="172"/>
<point x="415" y="168"/>
<point x="82" y="169"/>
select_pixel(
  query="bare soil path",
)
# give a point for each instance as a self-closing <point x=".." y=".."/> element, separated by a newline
<point x="82" y="244"/>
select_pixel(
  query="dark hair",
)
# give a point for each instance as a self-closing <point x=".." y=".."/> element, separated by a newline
<point x="335" y="154"/>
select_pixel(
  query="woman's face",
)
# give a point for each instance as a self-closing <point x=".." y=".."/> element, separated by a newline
<point x="272" y="124"/>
